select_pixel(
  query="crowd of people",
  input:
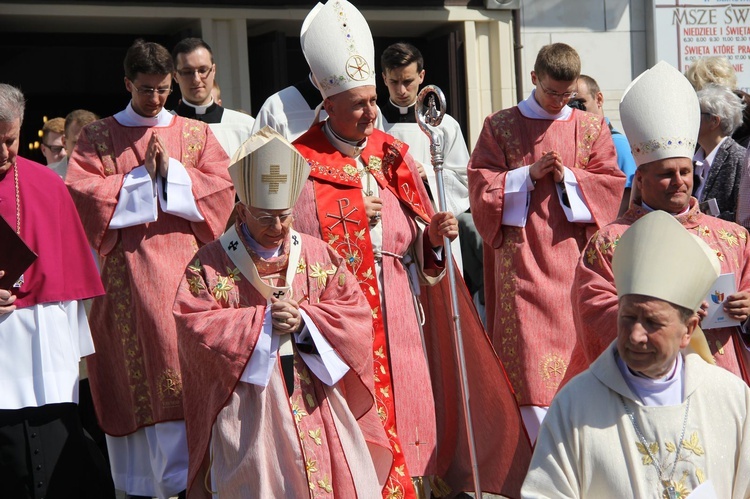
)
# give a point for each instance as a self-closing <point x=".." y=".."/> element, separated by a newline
<point x="226" y="306"/>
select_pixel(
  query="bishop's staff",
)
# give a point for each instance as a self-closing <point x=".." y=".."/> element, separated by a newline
<point x="429" y="114"/>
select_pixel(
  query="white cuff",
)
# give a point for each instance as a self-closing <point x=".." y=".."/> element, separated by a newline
<point x="578" y="211"/>
<point x="518" y="184"/>
<point x="326" y="365"/>
<point x="263" y="359"/>
<point x="180" y="200"/>
<point x="137" y="201"/>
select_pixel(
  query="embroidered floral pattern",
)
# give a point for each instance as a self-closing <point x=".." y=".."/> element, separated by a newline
<point x="222" y="288"/>
<point x="691" y="449"/>
<point x="320" y="273"/>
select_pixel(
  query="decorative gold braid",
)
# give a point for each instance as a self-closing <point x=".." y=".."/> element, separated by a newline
<point x="18" y="200"/>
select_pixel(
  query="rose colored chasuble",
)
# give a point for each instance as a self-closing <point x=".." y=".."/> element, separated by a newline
<point x="260" y="441"/>
<point x="135" y="375"/>
<point x="528" y="271"/>
<point x="595" y="296"/>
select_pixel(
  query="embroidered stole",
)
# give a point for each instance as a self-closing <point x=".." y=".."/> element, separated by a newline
<point x="345" y="227"/>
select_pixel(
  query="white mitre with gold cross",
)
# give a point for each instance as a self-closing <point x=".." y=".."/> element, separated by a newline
<point x="338" y="46"/>
<point x="268" y="172"/>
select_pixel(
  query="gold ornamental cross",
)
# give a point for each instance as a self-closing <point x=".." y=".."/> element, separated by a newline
<point x="273" y="179"/>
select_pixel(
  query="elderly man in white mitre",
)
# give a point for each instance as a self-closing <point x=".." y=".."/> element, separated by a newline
<point x="650" y="418"/>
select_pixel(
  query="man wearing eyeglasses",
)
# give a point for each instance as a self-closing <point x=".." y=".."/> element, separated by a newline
<point x="150" y="188"/>
<point x="542" y="178"/>
<point x="195" y="73"/>
<point x="52" y="140"/>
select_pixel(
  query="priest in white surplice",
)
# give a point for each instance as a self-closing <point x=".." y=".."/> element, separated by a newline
<point x="650" y="418"/>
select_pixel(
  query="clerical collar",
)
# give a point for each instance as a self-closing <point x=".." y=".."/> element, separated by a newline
<point x="346" y="147"/>
<point x="649" y="209"/>
<point x="128" y="117"/>
<point x="199" y="109"/>
<point x="393" y="113"/>
<point x="210" y="113"/>
<point x="531" y="109"/>
<point x="655" y="392"/>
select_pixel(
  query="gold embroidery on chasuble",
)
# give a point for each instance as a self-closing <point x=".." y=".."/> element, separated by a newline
<point x="170" y="388"/>
<point x="590" y="127"/>
<point x="506" y="304"/>
<point x="552" y="369"/>
<point x="193" y="138"/>
<point x="691" y="451"/>
<point x="117" y="284"/>
<point x="307" y="418"/>
<point x="99" y="136"/>
<point x="503" y="125"/>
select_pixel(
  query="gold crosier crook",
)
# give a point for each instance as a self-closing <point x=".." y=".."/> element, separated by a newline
<point x="429" y="114"/>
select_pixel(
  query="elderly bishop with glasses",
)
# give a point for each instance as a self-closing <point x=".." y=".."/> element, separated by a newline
<point x="150" y="188"/>
<point x="543" y="178"/>
<point x="276" y="350"/>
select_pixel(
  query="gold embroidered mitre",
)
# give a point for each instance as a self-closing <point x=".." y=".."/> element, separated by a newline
<point x="268" y="172"/>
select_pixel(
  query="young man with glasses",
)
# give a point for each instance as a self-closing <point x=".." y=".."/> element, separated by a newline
<point x="543" y="178"/>
<point x="195" y="73"/>
<point x="52" y="140"/>
<point x="150" y="188"/>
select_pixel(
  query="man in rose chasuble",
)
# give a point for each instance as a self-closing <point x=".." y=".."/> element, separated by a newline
<point x="151" y="188"/>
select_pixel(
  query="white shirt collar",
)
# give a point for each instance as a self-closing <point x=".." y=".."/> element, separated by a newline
<point x="707" y="161"/>
<point x="531" y="109"/>
<point x="199" y="109"/>
<point x="345" y="147"/>
<point x="655" y="392"/>
<point x="401" y="109"/>
<point x="128" y="117"/>
<point x="649" y="209"/>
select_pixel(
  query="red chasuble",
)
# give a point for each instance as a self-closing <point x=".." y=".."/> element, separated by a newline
<point x="595" y="297"/>
<point x="135" y="375"/>
<point x="64" y="269"/>
<point x="331" y="207"/>
<point x="528" y="270"/>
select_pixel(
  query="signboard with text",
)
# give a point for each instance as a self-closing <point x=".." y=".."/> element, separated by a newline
<point x="687" y="30"/>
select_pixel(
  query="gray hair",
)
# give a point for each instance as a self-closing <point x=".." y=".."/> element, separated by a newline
<point x="720" y="101"/>
<point x="12" y="104"/>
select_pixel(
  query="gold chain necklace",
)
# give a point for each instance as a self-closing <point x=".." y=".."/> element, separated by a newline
<point x="18" y="200"/>
<point x="667" y="483"/>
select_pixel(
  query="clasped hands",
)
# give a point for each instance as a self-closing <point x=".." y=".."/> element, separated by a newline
<point x="285" y="316"/>
<point x="550" y="162"/>
<point x="157" y="157"/>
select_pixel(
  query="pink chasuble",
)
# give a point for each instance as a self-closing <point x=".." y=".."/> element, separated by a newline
<point x="317" y="441"/>
<point x="595" y="296"/>
<point x="528" y="271"/>
<point x="135" y="375"/>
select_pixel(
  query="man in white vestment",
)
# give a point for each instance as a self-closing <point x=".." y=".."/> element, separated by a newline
<point x="650" y="419"/>
<point x="195" y="73"/>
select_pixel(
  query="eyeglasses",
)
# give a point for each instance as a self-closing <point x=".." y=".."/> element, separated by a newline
<point x="54" y="149"/>
<point x="268" y="220"/>
<point x="556" y="95"/>
<point x="203" y="71"/>
<point x="152" y="91"/>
